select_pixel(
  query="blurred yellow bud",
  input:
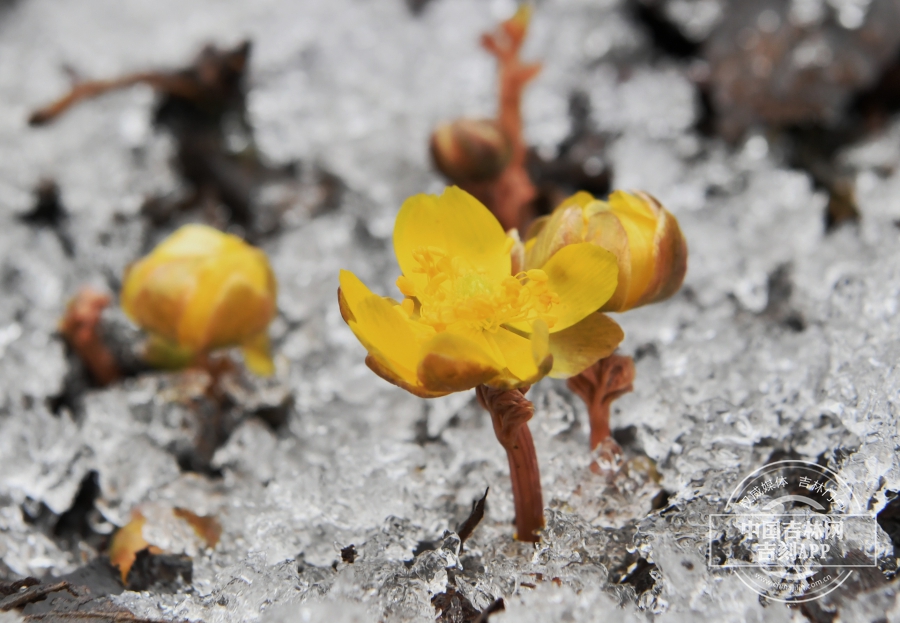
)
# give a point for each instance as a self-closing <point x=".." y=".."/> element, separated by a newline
<point x="645" y="238"/>
<point x="201" y="290"/>
<point x="470" y="150"/>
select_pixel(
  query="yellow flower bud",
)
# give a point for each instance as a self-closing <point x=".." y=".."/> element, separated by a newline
<point x="645" y="238"/>
<point x="201" y="290"/>
<point x="470" y="150"/>
<point x="517" y="25"/>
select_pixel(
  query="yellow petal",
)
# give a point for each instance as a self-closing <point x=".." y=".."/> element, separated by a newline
<point x="383" y="369"/>
<point x="233" y="301"/>
<point x="671" y="256"/>
<point x="196" y="240"/>
<point x="583" y="344"/>
<point x="453" y="363"/>
<point x="581" y="199"/>
<point x="156" y="293"/>
<point x="536" y="227"/>
<point x="382" y="330"/>
<point x="584" y="276"/>
<point x="517" y="354"/>
<point x="540" y="342"/>
<point x="458" y="224"/>
<point x="640" y="222"/>
<point x="565" y="226"/>
<point x="257" y="357"/>
<point x="353" y="291"/>
<point x="201" y="289"/>
<point x="606" y="231"/>
<point x="516" y="252"/>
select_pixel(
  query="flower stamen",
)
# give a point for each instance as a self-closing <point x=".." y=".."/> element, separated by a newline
<point x="456" y="292"/>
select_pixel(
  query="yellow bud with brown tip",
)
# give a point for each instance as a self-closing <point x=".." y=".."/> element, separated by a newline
<point x="200" y="290"/>
<point x="645" y="238"/>
<point x="470" y="150"/>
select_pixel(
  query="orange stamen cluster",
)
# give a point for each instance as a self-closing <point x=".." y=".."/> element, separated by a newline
<point x="455" y="292"/>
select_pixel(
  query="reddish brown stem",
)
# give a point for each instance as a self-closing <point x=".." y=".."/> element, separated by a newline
<point x="526" y="485"/>
<point x="599" y="386"/>
<point x="510" y="412"/>
<point x="508" y="196"/>
<point x="94" y="88"/>
<point x="504" y="43"/>
<point x="207" y="83"/>
<point x="511" y="193"/>
<point x="80" y="327"/>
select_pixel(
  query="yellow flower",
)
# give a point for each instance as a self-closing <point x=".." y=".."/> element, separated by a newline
<point x="645" y="238"/>
<point x="466" y="319"/>
<point x="201" y="290"/>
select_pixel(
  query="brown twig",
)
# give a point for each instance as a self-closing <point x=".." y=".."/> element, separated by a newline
<point x="510" y="412"/>
<point x="207" y="84"/>
<point x="11" y="588"/>
<point x="31" y="594"/>
<point x="599" y="386"/>
<point x="80" y="328"/>
<point x="173" y="84"/>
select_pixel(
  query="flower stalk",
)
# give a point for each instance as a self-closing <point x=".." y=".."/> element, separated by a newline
<point x="510" y="412"/>
<point x="651" y="256"/>
<point x="81" y="329"/>
<point x="487" y="157"/>
<point x="472" y="317"/>
<point x="513" y="190"/>
<point x="599" y="385"/>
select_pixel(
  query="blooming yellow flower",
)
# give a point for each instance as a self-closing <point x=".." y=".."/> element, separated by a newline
<point x="645" y="238"/>
<point x="201" y="290"/>
<point x="466" y="319"/>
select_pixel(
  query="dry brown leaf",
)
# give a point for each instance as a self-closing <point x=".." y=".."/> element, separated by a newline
<point x="207" y="527"/>
<point x="127" y="542"/>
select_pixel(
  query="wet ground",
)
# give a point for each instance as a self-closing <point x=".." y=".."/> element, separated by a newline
<point x="769" y="131"/>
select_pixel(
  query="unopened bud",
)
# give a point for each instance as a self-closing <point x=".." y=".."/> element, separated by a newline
<point x="470" y="150"/>
<point x="517" y="25"/>
<point x="201" y="290"/>
<point x="645" y="238"/>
